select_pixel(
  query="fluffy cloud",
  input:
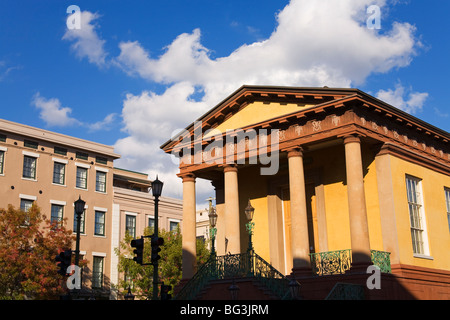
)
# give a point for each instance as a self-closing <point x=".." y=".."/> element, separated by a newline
<point x="315" y="43"/>
<point x="86" y="42"/>
<point x="404" y="99"/>
<point x="52" y="112"/>
<point x="55" y="115"/>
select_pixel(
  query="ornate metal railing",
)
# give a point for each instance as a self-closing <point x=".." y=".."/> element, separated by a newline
<point x="331" y="262"/>
<point x="382" y="260"/>
<point x="231" y="266"/>
<point x="338" y="262"/>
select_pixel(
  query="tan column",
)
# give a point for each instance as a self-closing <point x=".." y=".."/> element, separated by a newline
<point x="299" y="219"/>
<point x="232" y="225"/>
<point x="189" y="250"/>
<point x="356" y="201"/>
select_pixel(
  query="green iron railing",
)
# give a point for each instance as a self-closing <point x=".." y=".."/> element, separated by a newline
<point x="382" y="260"/>
<point x="231" y="266"/>
<point x="339" y="261"/>
<point x="331" y="262"/>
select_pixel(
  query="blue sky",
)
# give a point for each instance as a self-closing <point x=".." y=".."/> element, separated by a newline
<point x="138" y="70"/>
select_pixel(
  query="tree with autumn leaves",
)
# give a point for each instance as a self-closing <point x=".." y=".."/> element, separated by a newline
<point x="140" y="278"/>
<point x="29" y="243"/>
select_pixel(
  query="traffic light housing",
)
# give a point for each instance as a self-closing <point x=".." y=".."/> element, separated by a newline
<point x="139" y="251"/>
<point x="64" y="260"/>
<point x="156" y="243"/>
<point x="165" y="292"/>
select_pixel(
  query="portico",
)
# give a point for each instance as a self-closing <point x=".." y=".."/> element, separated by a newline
<point x="310" y="160"/>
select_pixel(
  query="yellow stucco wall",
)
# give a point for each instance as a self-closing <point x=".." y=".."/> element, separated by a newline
<point x="438" y="232"/>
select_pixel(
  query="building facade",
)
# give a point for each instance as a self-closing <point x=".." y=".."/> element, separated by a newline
<point x="133" y="211"/>
<point x="52" y="170"/>
<point x="339" y="181"/>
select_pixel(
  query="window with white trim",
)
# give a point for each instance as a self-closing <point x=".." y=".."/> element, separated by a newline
<point x="81" y="181"/>
<point x="100" y="181"/>
<point x="99" y="229"/>
<point x="416" y="215"/>
<point x="29" y="167"/>
<point x="2" y="161"/>
<point x="130" y="225"/>
<point x="447" y="200"/>
<point x="57" y="214"/>
<point x="97" y="272"/>
<point x="59" y="173"/>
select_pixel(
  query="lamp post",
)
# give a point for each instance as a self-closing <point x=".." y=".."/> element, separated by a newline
<point x="129" y="295"/>
<point x="79" y="209"/>
<point x="294" y="287"/>
<point x="234" y="291"/>
<point x="249" y="211"/>
<point x="156" y="190"/>
<point x="212" y="215"/>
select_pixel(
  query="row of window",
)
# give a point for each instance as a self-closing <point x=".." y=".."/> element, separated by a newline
<point x="57" y="214"/>
<point x="417" y="215"/>
<point x="59" y="172"/>
<point x="130" y="224"/>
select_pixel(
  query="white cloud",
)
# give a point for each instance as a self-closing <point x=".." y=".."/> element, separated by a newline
<point x="315" y="43"/>
<point x="55" y="115"/>
<point x="404" y="99"/>
<point x="86" y="42"/>
<point x="52" y="112"/>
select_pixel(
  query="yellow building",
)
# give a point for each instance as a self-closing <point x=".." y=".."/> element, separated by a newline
<point x="339" y="181"/>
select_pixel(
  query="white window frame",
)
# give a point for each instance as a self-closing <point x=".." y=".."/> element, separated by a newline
<point x="447" y="201"/>
<point x="417" y="218"/>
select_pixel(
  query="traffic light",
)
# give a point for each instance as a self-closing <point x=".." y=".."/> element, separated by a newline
<point x="64" y="260"/>
<point x="139" y="251"/>
<point x="156" y="243"/>
<point x="165" y="292"/>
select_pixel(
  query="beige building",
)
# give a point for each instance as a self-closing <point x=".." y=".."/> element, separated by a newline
<point x="53" y="170"/>
<point x="133" y="210"/>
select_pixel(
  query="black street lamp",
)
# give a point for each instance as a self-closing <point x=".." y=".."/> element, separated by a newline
<point x="234" y="291"/>
<point x="129" y="295"/>
<point x="249" y="211"/>
<point x="79" y="209"/>
<point x="212" y="215"/>
<point x="294" y="287"/>
<point x="157" y="186"/>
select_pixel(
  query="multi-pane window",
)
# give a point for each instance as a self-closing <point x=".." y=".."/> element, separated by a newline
<point x="100" y="181"/>
<point x="97" y="272"/>
<point x="81" y="221"/>
<point x="416" y="214"/>
<point x="151" y="223"/>
<point x="81" y="178"/>
<point x="130" y="225"/>
<point x="29" y="167"/>
<point x="447" y="200"/>
<point x="59" y="172"/>
<point x="99" y="229"/>
<point x="25" y="204"/>
<point x="56" y="214"/>
<point x="173" y="226"/>
<point x="2" y="161"/>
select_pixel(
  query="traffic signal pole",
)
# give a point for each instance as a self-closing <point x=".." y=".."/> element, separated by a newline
<point x="155" y="263"/>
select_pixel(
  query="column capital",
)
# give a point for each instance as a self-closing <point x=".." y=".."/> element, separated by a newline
<point x="188" y="176"/>
<point x="230" y="168"/>
<point x="295" y="152"/>
<point x="352" y="138"/>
